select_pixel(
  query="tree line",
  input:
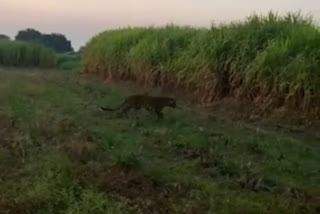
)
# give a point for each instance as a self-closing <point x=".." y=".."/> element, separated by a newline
<point x="57" y="42"/>
<point x="4" y="37"/>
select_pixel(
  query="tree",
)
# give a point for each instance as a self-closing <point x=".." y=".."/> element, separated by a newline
<point x="29" y="35"/>
<point x="58" y="42"/>
<point x="55" y="41"/>
<point x="4" y="37"/>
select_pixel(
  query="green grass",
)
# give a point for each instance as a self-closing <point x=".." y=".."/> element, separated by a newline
<point x="69" y="62"/>
<point x="272" y="60"/>
<point x="24" y="54"/>
<point x="60" y="154"/>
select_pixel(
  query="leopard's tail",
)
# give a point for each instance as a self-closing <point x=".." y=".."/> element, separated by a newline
<point x="112" y="109"/>
<point x="108" y="109"/>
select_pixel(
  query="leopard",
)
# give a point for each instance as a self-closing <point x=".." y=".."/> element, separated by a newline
<point x="154" y="104"/>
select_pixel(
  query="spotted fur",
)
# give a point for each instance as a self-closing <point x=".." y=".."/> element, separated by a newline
<point x="150" y="103"/>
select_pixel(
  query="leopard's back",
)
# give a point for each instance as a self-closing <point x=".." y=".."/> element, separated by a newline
<point x="150" y="103"/>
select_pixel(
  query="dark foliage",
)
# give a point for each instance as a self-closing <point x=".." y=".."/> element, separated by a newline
<point x="5" y="37"/>
<point x="55" y="41"/>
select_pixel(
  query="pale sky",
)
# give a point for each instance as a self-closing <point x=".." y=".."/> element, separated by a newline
<point x="79" y="20"/>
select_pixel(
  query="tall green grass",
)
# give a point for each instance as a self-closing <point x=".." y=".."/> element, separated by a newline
<point x="69" y="61"/>
<point x="271" y="60"/>
<point x="23" y="54"/>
